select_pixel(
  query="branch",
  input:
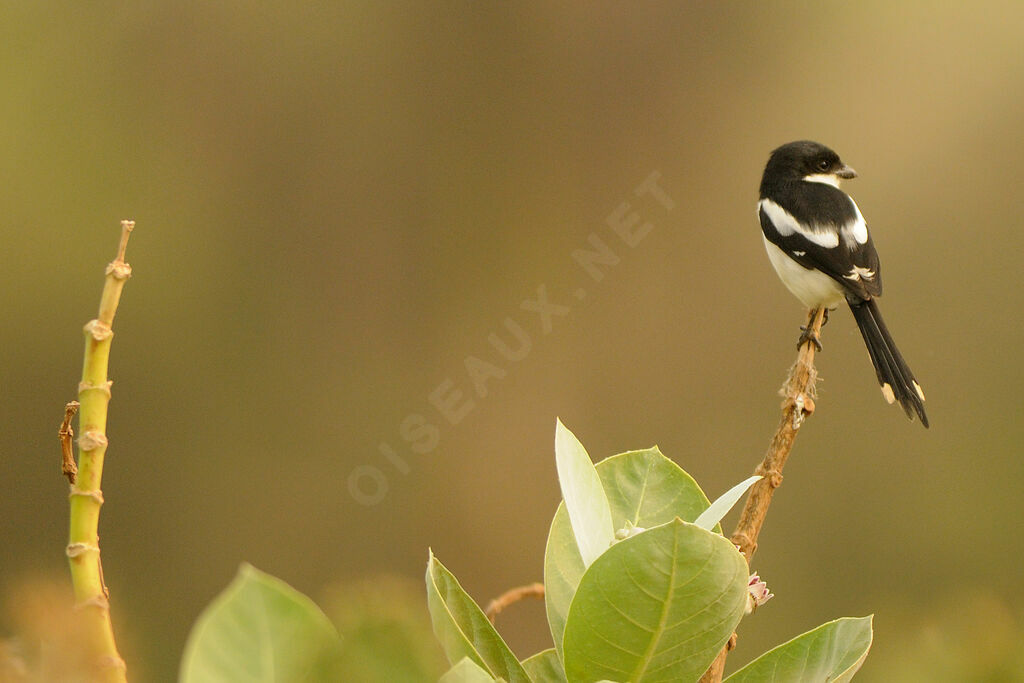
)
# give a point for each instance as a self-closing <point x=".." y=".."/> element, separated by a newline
<point x="83" y="551"/>
<point x="512" y="596"/>
<point x="797" y="405"/>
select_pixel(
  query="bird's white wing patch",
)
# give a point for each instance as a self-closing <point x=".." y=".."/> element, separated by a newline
<point x="859" y="273"/>
<point x="787" y="225"/>
<point x="858" y="229"/>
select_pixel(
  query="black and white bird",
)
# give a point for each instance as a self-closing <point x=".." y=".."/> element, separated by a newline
<point x="819" y="244"/>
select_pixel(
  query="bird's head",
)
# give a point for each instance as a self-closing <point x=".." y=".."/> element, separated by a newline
<point x="809" y="161"/>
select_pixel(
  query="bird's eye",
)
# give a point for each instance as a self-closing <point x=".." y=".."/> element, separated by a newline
<point x="823" y="165"/>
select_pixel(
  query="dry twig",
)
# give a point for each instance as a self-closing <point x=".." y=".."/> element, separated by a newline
<point x="512" y="596"/>
<point x="797" y="405"/>
<point x="67" y="464"/>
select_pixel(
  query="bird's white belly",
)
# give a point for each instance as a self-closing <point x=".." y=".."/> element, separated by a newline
<point x="812" y="287"/>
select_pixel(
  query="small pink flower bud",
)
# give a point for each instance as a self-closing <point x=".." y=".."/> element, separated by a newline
<point x="757" y="593"/>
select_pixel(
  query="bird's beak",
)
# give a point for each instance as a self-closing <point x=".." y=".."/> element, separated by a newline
<point x="846" y="172"/>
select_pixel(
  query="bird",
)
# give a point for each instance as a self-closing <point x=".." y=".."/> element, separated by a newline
<point x="818" y="242"/>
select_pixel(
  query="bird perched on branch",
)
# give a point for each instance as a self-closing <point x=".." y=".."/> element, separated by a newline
<point x="819" y="244"/>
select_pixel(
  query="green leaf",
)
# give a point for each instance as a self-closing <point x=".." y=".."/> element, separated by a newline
<point x="464" y="630"/>
<point x="466" y="671"/>
<point x="656" y="607"/>
<point x="713" y="515"/>
<point x="832" y="652"/>
<point x="258" y="629"/>
<point x="589" y="514"/>
<point x="387" y="635"/>
<point x="644" y="488"/>
<point x="544" y="667"/>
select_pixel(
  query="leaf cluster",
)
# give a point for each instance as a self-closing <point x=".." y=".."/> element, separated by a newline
<point x="640" y="585"/>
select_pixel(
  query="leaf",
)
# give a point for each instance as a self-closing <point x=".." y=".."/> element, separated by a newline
<point x="656" y="607"/>
<point x="544" y="667"/>
<point x="713" y="515"/>
<point x="258" y="629"/>
<point x="589" y="514"/>
<point x="387" y="635"/>
<point x="644" y="488"/>
<point x="464" y="630"/>
<point x="466" y="671"/>
<point x="832" y="652"/>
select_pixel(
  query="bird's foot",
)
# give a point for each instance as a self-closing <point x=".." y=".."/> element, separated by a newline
<point x="807" y="334"/>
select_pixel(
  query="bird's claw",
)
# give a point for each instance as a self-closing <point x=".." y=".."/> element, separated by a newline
<point x="807" y="334"/>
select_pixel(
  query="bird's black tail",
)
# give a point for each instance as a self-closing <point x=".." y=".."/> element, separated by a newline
<point x="898" y="383"/>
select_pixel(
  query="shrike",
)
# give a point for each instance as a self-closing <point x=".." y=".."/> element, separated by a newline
<point x="819" y="244"/>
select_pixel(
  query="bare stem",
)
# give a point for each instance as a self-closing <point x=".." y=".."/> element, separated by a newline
<point x="797" y="404"/>
<point x="512" y="596"/>
<point x="83" y="551"/>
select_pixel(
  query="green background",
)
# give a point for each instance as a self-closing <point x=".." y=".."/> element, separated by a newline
<point x="338" y="203"/>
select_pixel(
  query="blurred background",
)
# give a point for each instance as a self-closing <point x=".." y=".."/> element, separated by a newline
<point x="340" y="208"/>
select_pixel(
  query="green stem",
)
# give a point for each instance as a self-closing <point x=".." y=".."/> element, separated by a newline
<point x="91" y="596"/>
